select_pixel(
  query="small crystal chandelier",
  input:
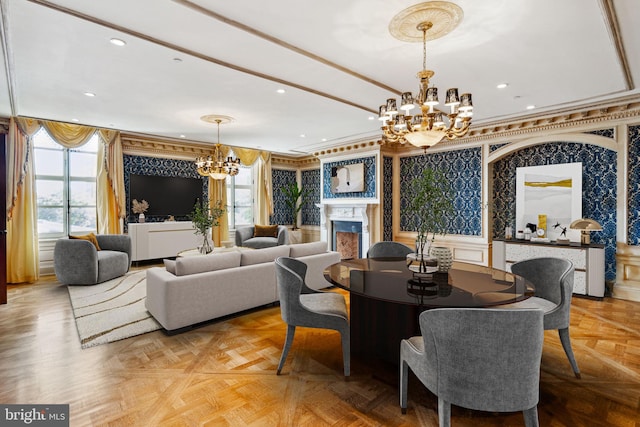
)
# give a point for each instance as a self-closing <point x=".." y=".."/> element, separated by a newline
<point x="429" y="126"/>
<point x="216" y="166"/>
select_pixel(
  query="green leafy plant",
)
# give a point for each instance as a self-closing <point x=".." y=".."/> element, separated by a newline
<point x="430" y="205"/>
<point x="294" y="198"/>
<point x="203" y="218"/>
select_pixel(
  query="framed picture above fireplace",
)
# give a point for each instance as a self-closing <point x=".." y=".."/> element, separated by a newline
<point x="347" y="178"/>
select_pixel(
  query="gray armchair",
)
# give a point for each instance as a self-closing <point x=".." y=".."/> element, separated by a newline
<point x="244" y="237"/>
<point x="303" y="306"/>
<point x="553" y="280"/>
<point x="388" y="249"/>
<point x="480" y="359"/>
<point x="78" y="262"/>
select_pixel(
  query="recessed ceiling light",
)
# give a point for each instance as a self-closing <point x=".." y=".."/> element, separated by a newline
<point x="371" y="117"/>
<point x="280" y="91"/>
<point x="302" y="135"/>
<point x="117" y="42"/>
<point x="324" y="139"/>
<point x="75" y="120"/>
<point x="90" y="94"/>
<point x="182" y="136"/>
<point x="502" y="85"/>
<point x="530" y="107"/>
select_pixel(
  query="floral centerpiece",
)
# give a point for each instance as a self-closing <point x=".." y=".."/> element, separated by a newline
<point x="203" y="219"/>
<point x="139" y="208"/>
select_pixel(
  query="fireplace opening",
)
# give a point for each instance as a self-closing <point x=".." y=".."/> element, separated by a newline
<point x="347" y="239"/>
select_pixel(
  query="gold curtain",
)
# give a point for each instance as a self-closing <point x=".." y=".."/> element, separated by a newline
<point x="110" y="183"/>
<point x="218" y="191"/>
<point x="22" y="221"/>
<point x="68" y="135"/>
<point x="264" y="190"/>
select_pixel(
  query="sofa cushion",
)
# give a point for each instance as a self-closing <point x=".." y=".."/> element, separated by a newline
<point x="260" y="256"/>
<point x="306" y="249"/>
<point x="265" y="231"/>
<point x="170" y="265"/>
<point x="89" y="237"/>
<point x="212" y="262"/>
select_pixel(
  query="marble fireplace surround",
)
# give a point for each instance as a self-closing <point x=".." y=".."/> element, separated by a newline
<point x="352" y="212"/>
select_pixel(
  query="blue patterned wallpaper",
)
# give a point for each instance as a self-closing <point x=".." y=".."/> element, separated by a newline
<point x="494" y="147"/>
<point x="142" y="165"/>
<point x="634" y="186"/>
<point x="281" y="178"/>
<point x="387" y="198"/>
<point x="607" y="133"/>
<point x="463" y="168"/>
<point x="310" y="179"/>
<point x="369" y="178"/>
<point x="599" y="177"/>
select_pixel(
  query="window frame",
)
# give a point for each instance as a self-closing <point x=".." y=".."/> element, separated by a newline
<point x="231" y="198"/>
<point x="66" y="178"/>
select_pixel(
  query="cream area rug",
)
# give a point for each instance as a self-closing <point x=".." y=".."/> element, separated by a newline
<point x="112" y="310"/>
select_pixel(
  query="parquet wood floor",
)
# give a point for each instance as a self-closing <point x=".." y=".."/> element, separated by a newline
<point x="223" y="374"/>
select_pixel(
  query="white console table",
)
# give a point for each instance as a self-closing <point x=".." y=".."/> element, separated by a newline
<point x="154" y="240"/>
<point x="588" y="261"/>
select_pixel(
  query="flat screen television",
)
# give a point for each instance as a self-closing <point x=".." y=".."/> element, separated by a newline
<point x="166" y="195"/>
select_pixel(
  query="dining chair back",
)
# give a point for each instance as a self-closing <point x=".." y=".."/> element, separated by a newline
<point x="553" y="281"/>
<point x="388" y="249"/>
<point x="303" y="306"/>
<point x="480" y="359"/>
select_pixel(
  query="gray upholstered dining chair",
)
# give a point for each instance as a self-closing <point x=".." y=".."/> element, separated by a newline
<point x="303" y="306"/>
<point x="480" y="359"/>
<point x="388" y="249"/>
<point x="553" y="280"/>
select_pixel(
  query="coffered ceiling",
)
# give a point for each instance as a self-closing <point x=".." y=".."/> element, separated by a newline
<point x="335" y="60"/>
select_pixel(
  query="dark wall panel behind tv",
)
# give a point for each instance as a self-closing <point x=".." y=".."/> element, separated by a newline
<point x="166" y="195"/>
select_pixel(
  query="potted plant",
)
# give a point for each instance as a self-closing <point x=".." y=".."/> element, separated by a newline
<point x="430" y="205"/>
<point x="294" y="197"/>
<point x="203" y="219"/>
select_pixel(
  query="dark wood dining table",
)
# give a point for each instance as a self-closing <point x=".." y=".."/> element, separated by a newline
<point x="387" y="297"/>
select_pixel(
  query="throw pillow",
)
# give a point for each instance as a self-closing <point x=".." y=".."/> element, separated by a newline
<point x="89" y="237"/>
<point x="265" y="231"/>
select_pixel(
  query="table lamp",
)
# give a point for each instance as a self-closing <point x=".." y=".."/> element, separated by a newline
<point x="585" y="225"/>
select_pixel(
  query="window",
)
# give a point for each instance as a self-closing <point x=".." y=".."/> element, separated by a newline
<point x="65" y="186"/>
<point x="240" y="198"/>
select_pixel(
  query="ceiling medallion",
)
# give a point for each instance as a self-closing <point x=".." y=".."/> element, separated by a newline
<point x="422" y="22"/>
<point x="215" y="165"/>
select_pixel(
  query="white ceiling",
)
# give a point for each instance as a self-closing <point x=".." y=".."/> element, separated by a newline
<point x="336" y="60"/>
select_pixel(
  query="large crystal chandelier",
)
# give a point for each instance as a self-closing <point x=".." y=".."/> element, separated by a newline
<point x="430" y="125"/>
<point x="216" y="166"/>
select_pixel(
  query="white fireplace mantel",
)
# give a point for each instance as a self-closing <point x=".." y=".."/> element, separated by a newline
<point x="354" y="212"/>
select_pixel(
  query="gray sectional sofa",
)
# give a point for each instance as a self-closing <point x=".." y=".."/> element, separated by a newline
<point x="192" y="290"/>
